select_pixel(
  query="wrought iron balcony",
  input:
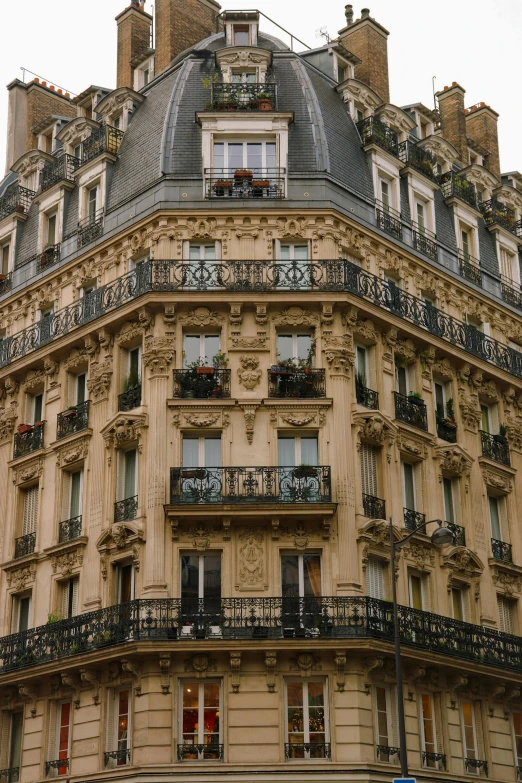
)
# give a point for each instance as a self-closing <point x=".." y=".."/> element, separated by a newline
<point x="70" y="529"/>
<point x="388" y="219"/>
<point x="104" y="139"/>
<point x="296" y="384"/>
<point x="245" y="183"/>
<point x="260" y="276"/>
<point x="497" y="214"/>
<point x="519" y="774"/>
<point x="418" y="158"/>
<point x="454" y="185"/>
<point x="469" y="268"/>
<point x="412" y="519"/>
<point x="126" y="510"/>
<point x="191" y="384"/>
<point x="433" y="760"/>
<point x="208" y="751"/>
<point x="459" y="534"/>
<point x="495" y="447"/>
<point x="11" y="775"/>
<point x="27" y="442"/>
<point x="247" y="96"/>
<point x="476" y="767"/>
<point x="16" y="199"/>
<point x="447" y="431"/>
<point x="56" y="767"/>
<point x="367" y="397"/>
<point x="300" y="484"/>
<point x="502" y="551"/>
<point x="388" y="754"/>
<point x="59" y="170"/>
<point x="117" y="758"/>
<point x="48" y="258"/>
<point x="411" y="410"/>
<point x="74" y="419"/>
<point x="374" y="508"/>
<point x="130" y="399"/>
<point x="373" y="131"/>
<point x="6" y="283"/>
<point x="511" y="292"/>
<point x="307" y="750"/>
<point x="424" y="241"/>
<point x="90" y="228"/>
<point x="25" y="545"/>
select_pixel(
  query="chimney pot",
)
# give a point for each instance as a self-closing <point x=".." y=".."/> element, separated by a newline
<point x="365" y="12"/>
<point x="482" y="103"/>
<point x="36" y="80"/>
<point x="348" y="12"/>
<point x="67" y="94"/>
<point x="446" y="87"/>
<point x="44" y="84"/>
<point x="453" y="84"/>
<point x="60" y="92"/>
<point x="51" y="86"/>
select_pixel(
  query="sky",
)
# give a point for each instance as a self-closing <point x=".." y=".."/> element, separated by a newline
<point x="72" y="43"/>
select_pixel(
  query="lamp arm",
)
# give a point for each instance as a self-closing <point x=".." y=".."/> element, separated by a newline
<point x="400" y="544"/>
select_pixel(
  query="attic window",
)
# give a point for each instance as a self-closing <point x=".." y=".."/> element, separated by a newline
<point x="241" y="35"/>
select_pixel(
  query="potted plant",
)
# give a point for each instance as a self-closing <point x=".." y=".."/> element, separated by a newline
<point x="193" y="473"/>
<point x="220" y="360"/>
<point x="132" y="381"/>
<point x="70" y="411"/>
<point x="23" y="428"/>
<point x="305" y="471"/>
<point x="243" y="174"/>
<point x="415" y="398"/>
<point x="264" y="102"/>
<point x="187" y="629"/>
<point x="501" y="436"/>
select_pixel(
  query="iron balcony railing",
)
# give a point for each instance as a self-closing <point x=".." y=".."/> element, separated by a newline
<point x="424" y="241"/>
<point x="104" y="139"/>
<point x="469" y="268"/>
<point x="495" y="213"/>
<point x="11" y="775"/>
<point x="130" y="399"/>
<point x="207" y="751"/>
<point x="476" y="767"/>
<point x="411" y="410"/>
<point x="454" y="185"/>
<point x="388" y="754"/>
<point x="16" y="199"/>
<point x="459" y="534"/>
<point x="27" y="442"/>
<point x="367" y="397"/>
<point x="373" y="131"/>
<point x="296" y="384"/>
<point x="307" y="750"/>
<point x="61" y="169"/>
<point x="254" y="618"/>
<point x="25" y="545"/>
<point x="502" y="551"/>
<point x="48" y="258"/>
<point x="374" y="508"/>
<point x="414" y="519"/>
<point x="116" y="758"/>
<point x="126" y="510"/>
<point x="519" y="773"/>
<point x="260" y="276"/>
<point x="418" y="158"/>
<point x="56" y="767"/>
<point x="447" y="431"/>
<point x="90" y="228"/>
<point x="191" y="384"/>
<point x="433" y="760"/>
<point x="6" y="283"/>
<point x="245" y="183"/>
<point x="300" y="484"/>
<point x="70" y="529"/>
<point x="74" y="419"/>
<point x="248" y="96"/>
<point x="511" y="292"/>
<point x="495" y="447"/>
<point x="388" y="219"/>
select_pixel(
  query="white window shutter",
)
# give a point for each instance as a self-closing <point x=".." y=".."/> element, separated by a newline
<point x="494" y="420"/>
<point x="369" y="470"/>
<point x="5" y="738"/>
<point x="74" y="586"/>
<point x="437" y="709"/>
<point x="71" y="389"/>
<point x="457" y="507"/>
<point x="504" y="525"/>
<point x="466" y="605"/>
<point x="30" y="510"/>
<point x="375" y="578"/>
<point x="15" y="620"/>
<point x="417" y="478"/>
<point x="426" y="592"/>
<point x="480" y="733"/>
<point x="111" y="726"/>
<point x="505" y="611"/>
<point x="372" y="367"/>
<point x="65" y="587"/>
<point x="66" y="495"/>
<point x="29" y="407"/>
<point x="53" y="743"/>
<point x="412" y="377"/>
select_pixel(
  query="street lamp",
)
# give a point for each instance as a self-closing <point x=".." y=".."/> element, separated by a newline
<point x="441" y="536"/>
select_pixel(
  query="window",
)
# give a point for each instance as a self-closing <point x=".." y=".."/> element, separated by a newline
<point x="92" y="202"/>
<point x="293" y="265"/>
<point x="419" y="591"/>
<point x="359" y="113"/>
<point x="369" y="470"/>
<point x="118" y="728"/>
<point x="244" y="77"/>
<point x="307" y="729"/>
<point x="484" y="410"/>
<point x="197" y="252"/>
<point x="201" y="724"/>
<point x="498" y="519"/>
<point x="508" y="267"/>
<point x="30" y="510"/>
<point x="429" y="729"/>
<point x="301" y="576"/>
<point x="200" y="348"/>
<point x="77" y="151"/>
<point x="421" y="217"/>
<point x="297" y="450"/>
<point x="59" y="736"/>
<point x="506" y="614"/>
<point x="440" y="400"/>
<point x="405" y="379"/>
<point x="80" y="389"/>
<point x="15" y="727"/>
<point x="375" y="579"/>
<point x="202" y="452"/>
<point x="460" y="604"/>
<point x="200" y="585"/>
<point x="449" y="500"/>
<point x="517" y="736"/>
<point x="127" y="474"/>
<point x="469" y="735"/>
<point x="35" y="408"/>
<point x="385" y="194"/>
<point x="291" y="252"/>
<point x="146" y="76"/>
<point x="124" y="583"/>
<point x="465" y="239"/>
<point x="22" y="605"/>
<point x="295" y="347"/>
<point x="4" y="258"/>
<point x="241" y="35"/>
<point x="131" y="365"/>
<point x="409" y="486"/>
<point x="72" y="485"/>
<point x="254" y="156"/>
<point x="51" y="229"/>
<point x="384" y="724"/>
<point x="69" y="598"/>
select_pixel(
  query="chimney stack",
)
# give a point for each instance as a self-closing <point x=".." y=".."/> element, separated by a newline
<point x="134" y="28"/>
<point x="482" y="126"/>
<point x="181" y="24"/>
<point x="368" y="40"/>
<point x="453" y="120"/>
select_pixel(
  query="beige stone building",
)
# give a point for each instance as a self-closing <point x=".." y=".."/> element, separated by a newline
<point x="250" y="311"/>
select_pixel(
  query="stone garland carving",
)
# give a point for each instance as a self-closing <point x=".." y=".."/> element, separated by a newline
<point x="20" y="577"/>
<point x="158" y="353"/>
<point x="249" y="373"/>
<point x="32" y="381"/>
<point x="366" y="329"/>
<point x="28" y="471"/>
<point x="73" y="452"/>
<point x="292" y="227"/>
<point x="411" y="445"/>
<point x="8" y="418"/>
<point x="201" y="316"/>
<point x="497" y="480"/>
<point x="420" y="554"/>
<point x="249" y="343"/>
<point x="77" y="358"/>
<point x="201" y="420"/>
<point x="67" y="561"/>
<point x="130" y="331"/>
<point x="198" y="228"/>
<point x="296" y="316"/>
<point x="202" y="416"/>
<point x="125" y="430"/>
<point x="99" y="381"/>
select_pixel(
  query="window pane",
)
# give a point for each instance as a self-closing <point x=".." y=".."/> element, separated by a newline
<point x="38" y="407"/>
<point x="401" y="381"/>
<point x="219" y="156"/>
<point x="304" y="344"/>
<point x="439" y="400"/>
<point x="290" y="576"/>
<point x="271" y="157"/>
<point x="210" y="252"/>
<point x="382" y="717"/>
<point x="235" y="156"/>
<point x="495" y="518"/>
<point x="80" y="389"/>
<point x="195" y="252"/>
<point x="212" y="452"/>
<point x="190" y="577"/>
<point x="130" y="474"/>
<point x="76" y="480"/>
<point x="448" y="500"/>
<point x="309" y="451"/>
<point x="17" y="723"/>
<point x="192" y="348"/>
<point x="429" y="730"/>
<point x="286" y="451"/>
<point x="312" y="575"/>
<point x="285" y="346"/>
<point x="211" y="712"/>
<point x="190" y="712"/>
<point x="456" y="596"/>
<point x="190" y="453"/>
<point x="409" y="495"/>
<point x="416" y="592"/>
<point x="211" y="347"/>
<point x="212" y="576"/>
<point x="25" y="605"/>
<point x="295" y="713"/>
<point x="255" y="156"/>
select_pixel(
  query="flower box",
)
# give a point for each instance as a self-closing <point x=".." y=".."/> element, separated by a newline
<point x="265" y="104"/>
<point x="260" y="183"/>
<point x="225" y="183"/>
<point x="415" y="400"/>
<point x="69" y="413"/>
<point x="305" y="471"/>
<point x="196" y="473"/>
<point x="205" y="370"/>
<point x="243" y="174"/>
<point x="23" y="428"/>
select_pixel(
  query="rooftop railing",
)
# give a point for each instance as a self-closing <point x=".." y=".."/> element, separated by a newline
<point x="245" y="183"/>
<point x="59" y="170"/>
<point x="48" y="258"/>
<point x="388" y="219"/>
<point x="495" y="213"/>
<point x="454" y="185"/>
<point x="373" y="131"/>
<point x="104" y="139"/>
<point x="469" y="268"/>
<point x="16" y="199"/>
<point x="298" y="383"/>
<point x="418" y="158"/>
<point x="248" y="96"/>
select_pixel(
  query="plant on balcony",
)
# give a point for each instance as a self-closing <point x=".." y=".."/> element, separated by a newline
<point x="501" y="436"/>
<point x="265" y="102"/>
<point x="53" y="617"/>
<point x="23" y="428"/>
<point x="243" y="174"/>
<point x="449" y="419"/>
<point x="283" y="367"/>
<point x="305" y="471"/>
<point x="132" y="381"/>
<point x="220" y="360"/>
<point x="209" y="81"/>
<point x="415" y="398"/>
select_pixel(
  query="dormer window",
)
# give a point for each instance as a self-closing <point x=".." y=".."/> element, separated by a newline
<point x="92" y="202"/>
<point x="244" y="77"/>
<point x="51" y="229"/>
<point x="241" y="35"/>
<point x="5" y="255"/>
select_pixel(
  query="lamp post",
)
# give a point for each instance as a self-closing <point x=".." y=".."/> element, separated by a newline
<point x="441" y="536"/>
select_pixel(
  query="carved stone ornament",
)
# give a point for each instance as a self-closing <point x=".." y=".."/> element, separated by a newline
<point x="305" y="664"/>
<point x="235" y="670"/>
<point x="299" y="420"/>
<point x="270" y="666"/>
<point x="201" y="228"/>
<point x="470" y="411"/>
<point x="201" y="417"/>
<point x="120" y="537"/>
<point x="99" y="381"/>
<point x="33" y="380"/>
<point x="296" y="316"/>
<point x="129" y="332"/>
<point x="158" y="353"/>
<point x="51" y="370"/>
<point x="124" y="431"/>
<point x="20" y="577"/>
<point x="201" y="316"/>
<point x="67" y="562"/>
<point x="249" y="373"/>
<point x="73" y="452"/>
<point x="164" y="665"/>
<point x="339" y="353"/>
<point x="463" y="562"/>
<point x="453" y="460"/>
<point x="200" y="665"/>
<point x="421" y="555"/>
<point x="201" y="420"/>
<point x="258" y="343"/>
<point x="366" y="329"/>
<point x="251" y="560"/>
<point x="8" y="418"/>
<point x="291" y="227"/>
<point x="510" y="583"/>
<point x="444" y="368"/>
<point x="230" y="59"/>
<point x="408" y="444"/>
<point x="249" y="412"/>
<point x="28" y="471"/>
<point x="374" y="428"/>
<point x="497" y="479"/>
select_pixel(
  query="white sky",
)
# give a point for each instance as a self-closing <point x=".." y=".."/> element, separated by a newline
<point x="72" y="43"/>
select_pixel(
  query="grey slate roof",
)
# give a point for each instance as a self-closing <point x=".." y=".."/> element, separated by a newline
<point x="28" y="246"/>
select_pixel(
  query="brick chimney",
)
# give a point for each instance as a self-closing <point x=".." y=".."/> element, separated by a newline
<point x="134" y="28"/>
<point x="453" y="120"/>
<point x="482" y="127"/>
<point x="181" y="24"/>
<point x="368" y="40"/>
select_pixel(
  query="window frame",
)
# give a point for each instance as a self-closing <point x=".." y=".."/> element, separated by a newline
<point x="201" y="710"/>
<point x="306" y="714"/>
<point x="263" y="141"/>
<point x="300" y="569"/>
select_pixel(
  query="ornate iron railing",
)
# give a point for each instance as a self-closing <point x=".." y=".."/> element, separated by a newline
<point x="459" y="534"/>
<point x="411" y="410"/>
<point x="116" y="758"/>
<point x="25" y="545"/>
<point x="59" y="170"/>
<point x="300" y="484"/>
<point x="373" y="131"/>
<point x="245" y="183"/>
<point x="16" y="199"/>
<point x="104" y="139"/>
<point x="90" y="228"/>
<point x="11" y="775"/>
<point x="27" y="442"/>
<point x="424" y="241"/>
<point x="511" y="292"/>
<point x="130" y="399"/>
<point x="190" y="384"/>
<point x="247" y="96"/>
<point x="433" y="760"/>
<point x="211" y="751"/>
<point x="367" y="397"/>
<point x="307" y="750"/>
<point x="6" y="283"/>
<point x="126" y="510"/>
<point x="49" y="257"/>
<point x="418" y="158"/>
<point x="70" y="529"/>
<point x="413" y="519"/>
<point x="519" y="773"/>
<point x="56" y="767"/>
<point x="478" y="766"/>
<point x="297" y="384"/>
<point x="454" y="185"/>
<point x="259" y="276"/>
<point x="73" y="420"/>
<point x="374" y="508"/>
<point x="341" y="617"/>
<point x="497" y="214"/>
<point x="502" y="551"/>
<point x="470" y="269"/>
<point x="495" y="447"/>
<point x="388" y="219"/>
<point x="447" y="432"/>
<point x="387" y="753"/>
<point x="518" y="227"/>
